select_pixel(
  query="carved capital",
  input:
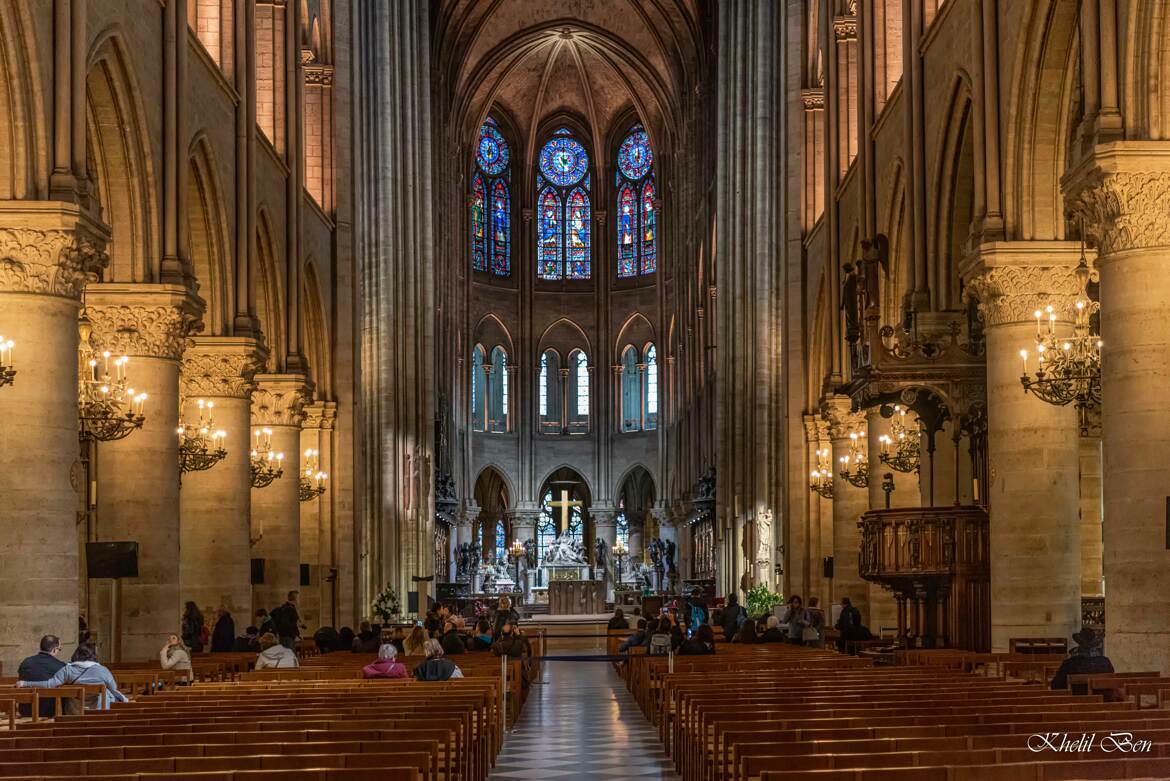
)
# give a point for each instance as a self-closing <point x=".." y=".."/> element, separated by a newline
<point x="144" y="320"/>
<point x="279" y="399"/>
<point x="221" y="366"/>
<point x="1123" y="210"/>
<point x="320" y="415"/>
<point x="1012" y="294"/>
<point x="841" y="419"/>
<point x="55" y="251"/>
<point x="816" y="430"/>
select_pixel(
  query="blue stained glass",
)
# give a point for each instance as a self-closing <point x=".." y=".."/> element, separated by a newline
<point x="577" y="215"/>
<point x="548" y="229"/>
<point x="649" y="237"/>
<point x="563" y="161"/>
<point x="635" y="156"/>
<point x="501" y="229"/>
<point x="478" y="244"/>
<point x="501" y="541"/>
<point x="492" y="153"/>
<point x="627" y="229"/>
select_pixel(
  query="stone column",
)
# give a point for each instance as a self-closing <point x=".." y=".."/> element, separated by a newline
<point x="523" y="525"/>
<point x="849" y="502"/>
<point x="605" y="526"/>
<point x="138" y="476"/>
<point x="1122" y="192"/>
<point x="317" y="533"/>
<point x="1032" y="446"/>
<point x="667" y="532"/>
<point x="43" y="265"/>
<point x="394" y="213"/>
<point x="1092" y="584"/>
<point x="883" y="611"/>
<point x="215" y="505"/>
<point x="278" y="403"/>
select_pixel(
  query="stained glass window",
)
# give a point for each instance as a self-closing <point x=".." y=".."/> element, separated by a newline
<point x="577" y="396"/>
<point x="623" y="524"/>
<point x="478" y="223"/>
<point x="627" y="230"/>
<point x="501" y="230"/>
<point x="501" y="541"/>
<point x="548" y="226"/>
<point x="491" y="203"/>
<point x="544" y="385"/>
<point x="631" y="390"/>
<point x="550" y="392"/>
<point x="651" y="361"/>
<point x="497" y="412"/>
<point x="637" y="223"/>
<point x="582" y="384"/>
<point x="564" y="210"/>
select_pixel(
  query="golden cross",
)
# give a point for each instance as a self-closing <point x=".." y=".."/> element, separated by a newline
<point x="564" y="504"/>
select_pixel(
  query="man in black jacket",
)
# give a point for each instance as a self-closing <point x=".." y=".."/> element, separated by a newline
<point x="42" y="667"/>
<point x="287" y="621"/>
<point x="451" y="640"/>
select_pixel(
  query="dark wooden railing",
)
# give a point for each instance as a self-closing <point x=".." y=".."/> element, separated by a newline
<point x="935" y="561"/>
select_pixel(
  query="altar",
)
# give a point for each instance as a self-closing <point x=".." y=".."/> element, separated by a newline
<point x="576" y="597"/>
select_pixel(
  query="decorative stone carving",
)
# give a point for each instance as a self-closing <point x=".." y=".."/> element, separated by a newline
<point x="1012" y="294"/>
<point x="52" y="262"/>
<point x="1123" y="210"/>
<point x="279" y="399"/>
<point x="841" y="418"/>
<point x="142" y="331"/>
<point x="763" y="537"/>
<point x="222" y="369"/>
<point x="322" y="415"/>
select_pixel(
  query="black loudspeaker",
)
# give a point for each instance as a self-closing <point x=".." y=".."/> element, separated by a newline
<point x="257" y="572"/>
<point x="306" y="577"/>
<point x="828" y="566"/>
<point x="412" y="602"/>
<point x="111" y="559"/>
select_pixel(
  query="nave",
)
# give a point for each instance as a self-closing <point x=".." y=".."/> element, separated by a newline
<point x="578" y="723"/>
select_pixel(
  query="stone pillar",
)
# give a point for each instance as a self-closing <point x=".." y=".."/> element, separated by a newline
<point x="43" y="265"/>
<point x="523" y="525"/>
<point x="605" y="526"/>
<point x="1092" y="584"/>
<point x="883" y="610"/>
<point x="849" y="502"/>
<point x="393" y="195"/>
<point x="214" y="549"/>
<point x="1122" y="191"/>
<point x="1032" y="447"/>
<point x="317" y="606"/>
<point x="138" y="476"/>
<point x="278" y="403"/>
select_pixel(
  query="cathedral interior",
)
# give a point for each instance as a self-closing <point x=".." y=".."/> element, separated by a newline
<point x="836" y="298"/>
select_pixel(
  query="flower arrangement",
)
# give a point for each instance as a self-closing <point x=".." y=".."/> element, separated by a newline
<point x="761" y="600"/>
<point x="387" y="605"/>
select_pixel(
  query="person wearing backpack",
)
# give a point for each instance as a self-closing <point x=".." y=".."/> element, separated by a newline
<point x="287" y="621"/>
<point x="733" y="617"/>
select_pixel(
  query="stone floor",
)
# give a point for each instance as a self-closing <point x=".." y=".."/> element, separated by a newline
<point x="580" y="723"/>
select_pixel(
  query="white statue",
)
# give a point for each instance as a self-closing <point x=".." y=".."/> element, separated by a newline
<point x="565" y="551"/>
<point x="764" y="537"/>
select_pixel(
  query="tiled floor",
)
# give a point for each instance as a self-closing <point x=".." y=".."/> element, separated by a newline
<point x="581" y="723"/>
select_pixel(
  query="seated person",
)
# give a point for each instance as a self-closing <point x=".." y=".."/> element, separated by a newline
<point x="327" y="640"/>
<point x="512" y="643"/>
<point x="175" y="656"/>
<point x="482" y="639"/>
<point x="345" y="638"/>
<point x="415" y="642"/>
<point x="387" y="666"/>
<point x="248" y="642"/>
<point x="42" y="667"/>
<point x="274" y="656"/>
<point x="702" y="642"/>
<point x="1087" y="657"/>
<point x="619" y="620"/>
<point x="436" y="668"/>
<point x="636" y="639"/>
<point x="452" y="639"/>
<point x="747" y="633"/>
<point x="366" y="641"/>
<point x="84" y="669"/>
<point x="398" y="639"/>
<point x="773" y="633"/>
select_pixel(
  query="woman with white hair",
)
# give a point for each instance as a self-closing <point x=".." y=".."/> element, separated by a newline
<point x="436" y="667"/>
<point x="387" y="665"/>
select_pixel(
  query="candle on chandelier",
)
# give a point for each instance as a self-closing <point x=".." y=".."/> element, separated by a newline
<point x="1024" y="357"/>
<point x="6" y="346"/>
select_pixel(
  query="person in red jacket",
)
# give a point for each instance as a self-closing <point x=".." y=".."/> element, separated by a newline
<point x="386" y="666"/>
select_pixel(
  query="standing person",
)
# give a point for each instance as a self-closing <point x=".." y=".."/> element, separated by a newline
<point x="41" y="667"/>
<point x="816" y="623"/>
<point x="287" y="621"/>
<point x="502" y="615"/>
<point x="848" y="623"/>
<point x="732" y="617"/>
<point x="224" y="634"/>
<point x="192" y="629"/>
<point x="796" y="617"/>
<point x="83" y="669"/>
<point x="696" y="615"/>
<point x="175" y="656"/>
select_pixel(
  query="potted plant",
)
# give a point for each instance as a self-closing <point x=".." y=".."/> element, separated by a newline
<point x="761" y="600"/>
<point x="387" y="606"/>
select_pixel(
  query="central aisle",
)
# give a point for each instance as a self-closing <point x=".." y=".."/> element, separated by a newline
<point x="580" y="723"/>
